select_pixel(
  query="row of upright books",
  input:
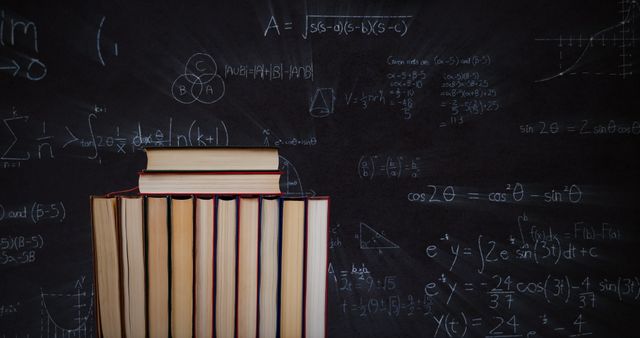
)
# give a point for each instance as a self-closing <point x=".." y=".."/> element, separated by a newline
<point x="229" y="266"/>
<point x="210" y="248"/>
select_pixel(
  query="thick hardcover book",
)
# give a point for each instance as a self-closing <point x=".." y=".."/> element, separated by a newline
<point x="225" y="275"/>
<point x="205" y="240"/>
<point x="269" y="244"/>
<point x="181" y="267"/>
<point x="292" y="268"/>
<point x="248" y="235"/>
<point x="133" y="276"/>
<point x="211" y="182"/>
<point x="212" y="158"/>
<point x="106" y="250"/>
<point x="157" y="211"/>
<point x="317" y="237"/>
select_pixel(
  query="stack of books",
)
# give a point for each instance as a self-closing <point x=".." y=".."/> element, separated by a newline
<point x="210" y="248"/>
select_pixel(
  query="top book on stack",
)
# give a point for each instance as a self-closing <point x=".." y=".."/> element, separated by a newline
<point x="224" y="170"/>
<point x="212" y="159"/>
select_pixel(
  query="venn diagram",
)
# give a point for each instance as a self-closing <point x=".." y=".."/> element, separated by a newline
<point x="200" y="81"/>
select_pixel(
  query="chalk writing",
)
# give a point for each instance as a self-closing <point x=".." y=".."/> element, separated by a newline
<point x="322" y="102"/>
<point x="343" y="25"/>
<point x="270" y="71"/>
<point x="468" y="95"/>
<point x="33" y="141"/>
<point x="510" y="193"/>
<point x="200" y="81"/>
<point x="396" y="166"/>
<point x="9" y="309"/>
<point x="99" y="44"/>
<point x="270" y="139"/>
<point x="464" y="94"/>
<point x="370" y="238"/>
<point x="582" y="127"/>
<point x="20" y="34"/>
<point x="19" y="250"/>
<point x="34" y="212"/>
<point x="78" y="303"/>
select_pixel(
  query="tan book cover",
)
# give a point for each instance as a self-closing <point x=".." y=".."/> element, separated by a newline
<point x="269" y="237"/>
<point x="225" y="275"/>
<point x="181" y="267"/>
<point x="106" y="248"/>
<point x="158" y="266"/>
<point x="249" y="227"/>
<point x="204" y="267"/>
<point x="291" y="306"/>
<point x="133" y="271"/>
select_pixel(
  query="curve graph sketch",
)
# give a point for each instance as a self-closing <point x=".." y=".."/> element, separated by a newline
<point x="619" y="35"/>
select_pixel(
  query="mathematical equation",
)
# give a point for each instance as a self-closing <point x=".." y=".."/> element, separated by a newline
<point x="395" y="166"/>
<point x="20" y="250"/>
<point x="16" y="33"/>
<point x="583" y="127"/>
<point x="461" y="324"/>
<point x="510" y="193"/>
<point x="463" y="94"/>
<point x="33" y="141"/>
<point x="502" y="292"/>
<point x="468" y="95"/>
<point x="270" y="71"/>
<point x="343" y="25"/>
<point x="538" y="245"/>
<point x="270" y="139"/>
<point x="34" y="212"/>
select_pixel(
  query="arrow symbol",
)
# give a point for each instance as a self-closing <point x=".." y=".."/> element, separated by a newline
<point x="15" y="67"/>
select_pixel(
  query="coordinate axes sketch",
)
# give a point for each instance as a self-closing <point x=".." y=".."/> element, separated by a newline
<point x="200" y="81"/>
<point x="614" y="42"/>
<point x="80" y="303"/>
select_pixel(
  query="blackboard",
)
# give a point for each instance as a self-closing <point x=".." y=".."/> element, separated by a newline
<point x="481" y="156"/>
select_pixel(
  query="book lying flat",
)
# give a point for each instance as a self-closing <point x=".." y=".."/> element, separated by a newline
<point x="212" y="158"/>
<point x="214" y="182"/>
<point x="158" y="266"/>
<point x="104" y="217"/>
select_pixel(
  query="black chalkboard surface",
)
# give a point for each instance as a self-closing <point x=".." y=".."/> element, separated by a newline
<point x="481" y="156"/>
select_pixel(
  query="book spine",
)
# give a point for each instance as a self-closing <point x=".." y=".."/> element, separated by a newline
<point x="326" y="248"/>
<point x="304" y="266"/>
<point x="216" y="205"/>
<point x="258" y="267"/>
<point x="235" y="319"/>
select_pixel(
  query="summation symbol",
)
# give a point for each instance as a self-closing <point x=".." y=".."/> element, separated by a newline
<point x="372" y="239"/>
<point x="200" y="81"/>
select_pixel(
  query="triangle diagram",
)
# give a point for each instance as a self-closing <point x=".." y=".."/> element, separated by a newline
<point x="372" y="239"/>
